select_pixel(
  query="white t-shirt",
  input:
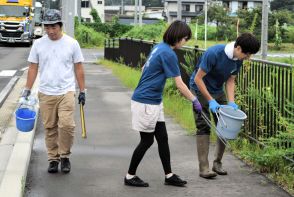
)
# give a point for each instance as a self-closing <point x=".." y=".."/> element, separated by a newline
<point x="56" y="63"/>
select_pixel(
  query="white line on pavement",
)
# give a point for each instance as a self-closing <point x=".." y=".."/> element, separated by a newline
<point x="7" y="73"/>
<point x="7" y="88"/>
<point x="23" y="69"/>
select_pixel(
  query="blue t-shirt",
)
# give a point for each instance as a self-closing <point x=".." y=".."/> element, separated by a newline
<point x="218" y="68"/>
<point x="162" y="63"/>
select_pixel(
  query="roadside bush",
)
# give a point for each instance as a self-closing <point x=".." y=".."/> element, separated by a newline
<point x="110" y="29"/>
<point x="211" y="32"/>
<point x="88" y="37"/>
<point x="289" y="35"/>
<point x="148" y="32"/>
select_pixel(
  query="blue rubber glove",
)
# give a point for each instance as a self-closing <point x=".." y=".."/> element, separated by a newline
<point x="213" y="105"/>
<point x="196" y="105"/>
<point x="233" y="104"/>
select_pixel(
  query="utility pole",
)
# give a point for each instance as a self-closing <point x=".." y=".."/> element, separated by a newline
<point x="78" y="9"/>
<point x="264" y="29"/>
<point x="68" y="8"/>
<point x="140" y="13"/>
<point x="205" y="22"/>
<point x="179" y="14"/>
<point x="122" y="7"/>
<point x="135" y="15"/>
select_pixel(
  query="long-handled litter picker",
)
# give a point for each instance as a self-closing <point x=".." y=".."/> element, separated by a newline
<point x="83" y="124"/>
<point x="208" y="122"/>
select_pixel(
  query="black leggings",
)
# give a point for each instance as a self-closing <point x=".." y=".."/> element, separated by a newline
<point x="147" y="140"/>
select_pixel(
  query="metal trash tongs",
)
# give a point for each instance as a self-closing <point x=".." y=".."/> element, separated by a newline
<point x="219" y="119"/>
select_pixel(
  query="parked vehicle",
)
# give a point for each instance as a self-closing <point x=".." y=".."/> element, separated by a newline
<point x="16" y="24"/>
<point x="38" y="15"/>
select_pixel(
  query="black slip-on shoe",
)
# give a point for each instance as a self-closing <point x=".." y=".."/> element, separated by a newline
<point x="65" y="165"/>
<point x="175" y="180"/>
<point x="136" y="182"/>
<point x="53" y="167"/>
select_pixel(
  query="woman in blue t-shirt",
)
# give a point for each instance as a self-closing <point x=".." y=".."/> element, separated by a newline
<point x="217" y="67"/>
<point x="147" y="107"/>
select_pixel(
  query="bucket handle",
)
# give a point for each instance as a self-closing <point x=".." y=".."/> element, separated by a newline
<point x="220" y="119"/>
<point x="221" y="137"/>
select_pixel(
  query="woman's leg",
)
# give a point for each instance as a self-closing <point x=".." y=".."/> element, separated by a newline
<point x="147" y="140"/>
<point x="163" y="147"/>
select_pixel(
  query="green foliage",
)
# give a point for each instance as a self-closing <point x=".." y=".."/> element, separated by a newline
<point x="250" y="19"/>
<point x="88" y="37"/>
<point x="289" y="34"/>
<point x="278" y="39"/>
<point x="113" y="29"/>
<point x="211" y="32"/>
<point x="282" y="4"/>
<point x="148" y="32"/>
<point x="189" y="64"/>
<point x="95" y="15"/>
<point x="253" y="24"/>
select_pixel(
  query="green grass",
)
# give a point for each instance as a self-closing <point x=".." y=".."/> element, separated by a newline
<point x="128" y="76"/>
<point x="287" y="60"/>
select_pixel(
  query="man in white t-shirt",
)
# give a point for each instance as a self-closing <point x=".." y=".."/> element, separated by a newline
<point x="58" y="59"/>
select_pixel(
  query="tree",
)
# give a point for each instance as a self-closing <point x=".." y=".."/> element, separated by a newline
<point x="224" y="23"/>
<point x="282" y="4"/>
<point x="95" y="15"/>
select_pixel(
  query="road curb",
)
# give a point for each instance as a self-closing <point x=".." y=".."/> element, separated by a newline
<point x="14" y="176"/>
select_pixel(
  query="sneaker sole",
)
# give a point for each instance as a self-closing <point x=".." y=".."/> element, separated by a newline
<point x="177" y="185"/>
<point x="127" y="184"/>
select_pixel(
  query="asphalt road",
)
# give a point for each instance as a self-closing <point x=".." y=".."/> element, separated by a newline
<point x="12" y="61"/>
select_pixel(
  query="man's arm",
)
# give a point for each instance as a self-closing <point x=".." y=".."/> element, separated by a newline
<point x="32" y="75"/>
<point x="201" y="85"/>
<point x="183" y="88"/>
<point x="230" y="88"/>
<point x="80" y="76"/>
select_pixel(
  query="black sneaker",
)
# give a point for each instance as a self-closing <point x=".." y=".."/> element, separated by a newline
<point x="136" y="182"/>
<point x="65" y="165"/>
<point x="53" y="167"/>
<point x="175" y="180"/>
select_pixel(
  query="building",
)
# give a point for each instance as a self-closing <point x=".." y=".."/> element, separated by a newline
<point x="234" y="5"/>
<point x="190" y="9"/>
<point x="87" y="5"/>
<point x="194" y="8"/>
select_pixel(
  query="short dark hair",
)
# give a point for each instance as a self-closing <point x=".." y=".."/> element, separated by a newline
<point x="176" y="32"/>
<point x="59" y="23"/>
<point x="248" y="43"/>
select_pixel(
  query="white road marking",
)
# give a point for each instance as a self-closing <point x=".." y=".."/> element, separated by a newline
<point x="7" y="73"/>
<point x="8" y="87"/>
<point x="23" y="69"/>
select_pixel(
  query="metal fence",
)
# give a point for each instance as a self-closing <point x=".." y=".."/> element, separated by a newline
<point x="264" y="88"/>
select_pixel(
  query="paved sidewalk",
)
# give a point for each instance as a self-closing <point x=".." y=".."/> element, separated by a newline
<point x="100" y="162"/>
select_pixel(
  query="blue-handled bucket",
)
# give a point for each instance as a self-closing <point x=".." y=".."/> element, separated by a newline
<point x="25" y="119"/>
<point x="230" y="122"/>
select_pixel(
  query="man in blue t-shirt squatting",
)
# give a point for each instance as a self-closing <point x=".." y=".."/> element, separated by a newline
<point x="219" y="65"/>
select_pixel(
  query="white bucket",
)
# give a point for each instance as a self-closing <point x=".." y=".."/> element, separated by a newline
<point x="230" y="122"/>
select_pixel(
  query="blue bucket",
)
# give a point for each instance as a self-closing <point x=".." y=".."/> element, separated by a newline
<point x="25" y="119"/>
<point x="230" y="122"/>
